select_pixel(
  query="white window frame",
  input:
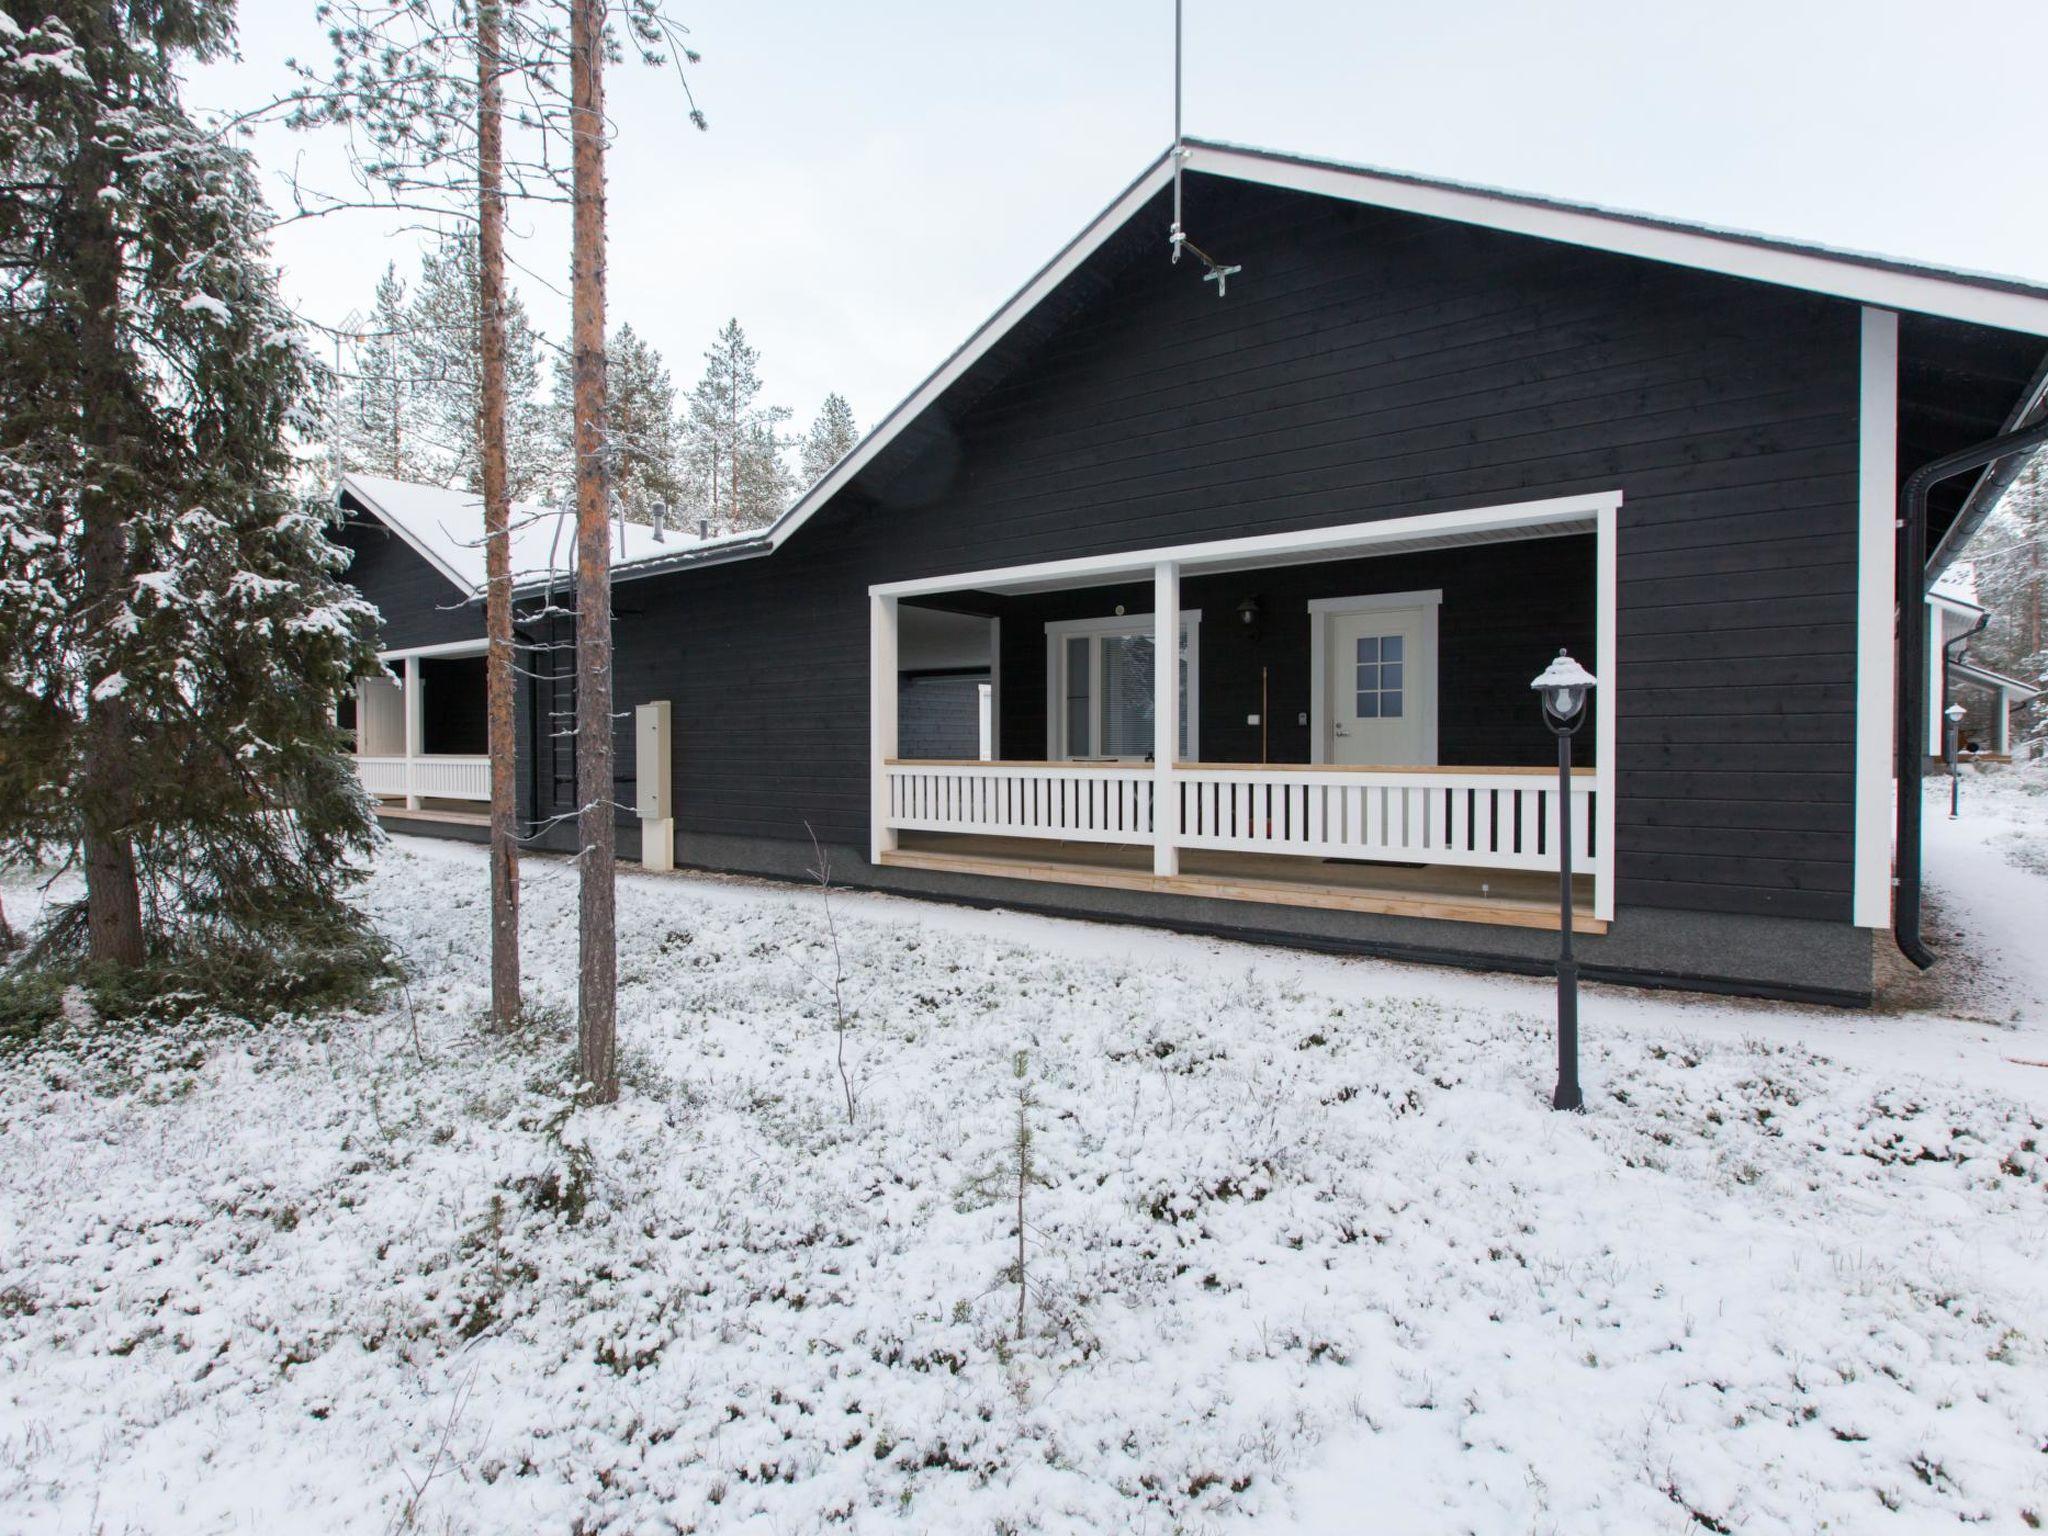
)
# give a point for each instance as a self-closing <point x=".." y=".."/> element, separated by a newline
<point x="1059" y="631"/>
<point x="1320" y="609"/>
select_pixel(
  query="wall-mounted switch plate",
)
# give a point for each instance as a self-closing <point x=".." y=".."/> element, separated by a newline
<point x="1251" y="719"/>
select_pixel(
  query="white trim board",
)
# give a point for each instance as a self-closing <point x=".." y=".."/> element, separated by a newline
<point x="446" y="648"/>
<point x="1877" y="472"/>
<point x="1431" y="601"/>
<point x="1566" y="514"/>
<point x="1980" y="298"/>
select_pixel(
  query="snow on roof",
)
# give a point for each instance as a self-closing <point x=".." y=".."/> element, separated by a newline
<point x="446" y="527"/>
<point x="1957" y="584"/>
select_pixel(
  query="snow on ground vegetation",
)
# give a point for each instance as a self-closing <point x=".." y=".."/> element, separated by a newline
<point x="1304" y="1246"/>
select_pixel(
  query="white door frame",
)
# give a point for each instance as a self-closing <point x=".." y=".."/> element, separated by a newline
<point x="1429" y="601"/>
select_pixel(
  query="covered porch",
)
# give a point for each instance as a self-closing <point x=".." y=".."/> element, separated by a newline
<point x="1351" y="712"/>
<point x="420" y="732"/>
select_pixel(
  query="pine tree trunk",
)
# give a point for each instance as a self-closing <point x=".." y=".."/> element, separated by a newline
<point x="113" y="899"/>
<point x="597" y="979"/>
<point x="498" y="684"/>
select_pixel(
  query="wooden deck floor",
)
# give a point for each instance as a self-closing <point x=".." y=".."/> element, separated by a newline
<point x="1515" y="898"/>
<point x="447" y="816"/>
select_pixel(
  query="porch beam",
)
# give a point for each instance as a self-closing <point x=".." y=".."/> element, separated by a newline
<point x="882" y="700"/>
<point x="1527" y="519"/>
<point x="415" y="728"/>
<point x="1165" y="717"/>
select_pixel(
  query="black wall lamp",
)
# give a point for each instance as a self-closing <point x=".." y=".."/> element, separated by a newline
<point x="1248" y="615"/>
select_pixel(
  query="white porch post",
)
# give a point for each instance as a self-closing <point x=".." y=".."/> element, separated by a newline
<point x="1606" y="698"/>
<point x="1165" y="717"/>
<point x="882" y="615"/>
<point x="2001" y="729"/>
<point x="415" y="729"/>
<point x="1877" y="498"/>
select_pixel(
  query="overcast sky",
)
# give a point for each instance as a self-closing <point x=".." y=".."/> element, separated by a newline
<point x="878" y="178"/>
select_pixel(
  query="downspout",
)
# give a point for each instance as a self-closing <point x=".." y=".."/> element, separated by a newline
<point x="1912" y="671"/>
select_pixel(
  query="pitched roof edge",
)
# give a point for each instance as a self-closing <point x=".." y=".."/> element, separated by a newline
<point x="1539" y="202"/>
<point x="351" y="487"/>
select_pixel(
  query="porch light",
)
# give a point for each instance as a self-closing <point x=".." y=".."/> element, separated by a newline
<point x="1953" y="741"/>
<point x="1248" y="615"/>
<point x="1563" y="687"/>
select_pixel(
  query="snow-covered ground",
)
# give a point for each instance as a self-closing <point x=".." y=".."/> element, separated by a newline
<point x="1306" y="1250"/>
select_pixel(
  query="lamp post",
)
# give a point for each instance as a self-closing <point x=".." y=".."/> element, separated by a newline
<point x="1564" y="688"/>
<point x="1953" y="745"/>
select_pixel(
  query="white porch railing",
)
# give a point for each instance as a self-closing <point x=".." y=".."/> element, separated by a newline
<point x="1496" y="818"/>
<point x="1084" y="802"/>
<point x="1492" y="818"/>
<point x="437" y="778"/>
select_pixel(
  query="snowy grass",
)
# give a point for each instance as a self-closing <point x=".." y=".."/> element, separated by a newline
<point x="1311" y="1253"/>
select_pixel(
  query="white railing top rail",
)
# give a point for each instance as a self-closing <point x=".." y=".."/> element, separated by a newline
<point x="1432" y="769"/>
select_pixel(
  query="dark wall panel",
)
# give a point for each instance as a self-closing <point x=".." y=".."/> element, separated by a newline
<point x="420" y="606"/>
<point x="1365" y="365"/>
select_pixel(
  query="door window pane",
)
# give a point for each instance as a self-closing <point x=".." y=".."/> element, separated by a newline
<point x="1078" y="712"/>
<point x="1379" y="680"/>
<point x="1126" y="695"/>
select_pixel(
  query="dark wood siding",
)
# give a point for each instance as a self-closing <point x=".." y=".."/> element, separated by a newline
<point x="420" y="606"/>
<point x="1365" y="365"/>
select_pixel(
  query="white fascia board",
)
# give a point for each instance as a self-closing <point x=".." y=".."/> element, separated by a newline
<point x="1891" y="287"/>
<point x="363" y="498"/>
<point x="1306" y="544"/>
<point x="445" y="648"/>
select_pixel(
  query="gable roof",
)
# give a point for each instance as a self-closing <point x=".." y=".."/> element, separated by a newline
<point x="1981" y="299"/>
<point x="445" y="528"/>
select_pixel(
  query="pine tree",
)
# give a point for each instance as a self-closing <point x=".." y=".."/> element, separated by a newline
<point x="450" y="347"/>
<point x="646" y="461"/>
<point x="2010" y="554"/>
<point x="378" y="407"/>
<point x="173" y="639"/>
<point x="735" y="442"/>
<point x="830" y="439"/>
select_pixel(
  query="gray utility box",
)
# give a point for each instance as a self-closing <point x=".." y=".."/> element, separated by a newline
<point x="651" y="731"/>
<point x="652" y="744"/>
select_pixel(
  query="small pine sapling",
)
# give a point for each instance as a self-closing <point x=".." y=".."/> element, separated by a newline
<point x="1012" y="1178"/>
<point x="821" y="871"/>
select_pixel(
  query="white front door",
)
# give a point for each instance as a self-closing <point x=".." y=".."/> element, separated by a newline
<point x="1381" y="683"/>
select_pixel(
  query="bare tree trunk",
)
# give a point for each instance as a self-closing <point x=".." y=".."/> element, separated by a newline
<point x="498" y="681"/>
<point x="597" y="979"/>
<point x="113" y="898"/>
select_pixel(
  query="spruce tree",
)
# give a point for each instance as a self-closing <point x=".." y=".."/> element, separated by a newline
<point x="830" y="439"/>
<point x="173" y="639"/>
<point x="735" y="442"/>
